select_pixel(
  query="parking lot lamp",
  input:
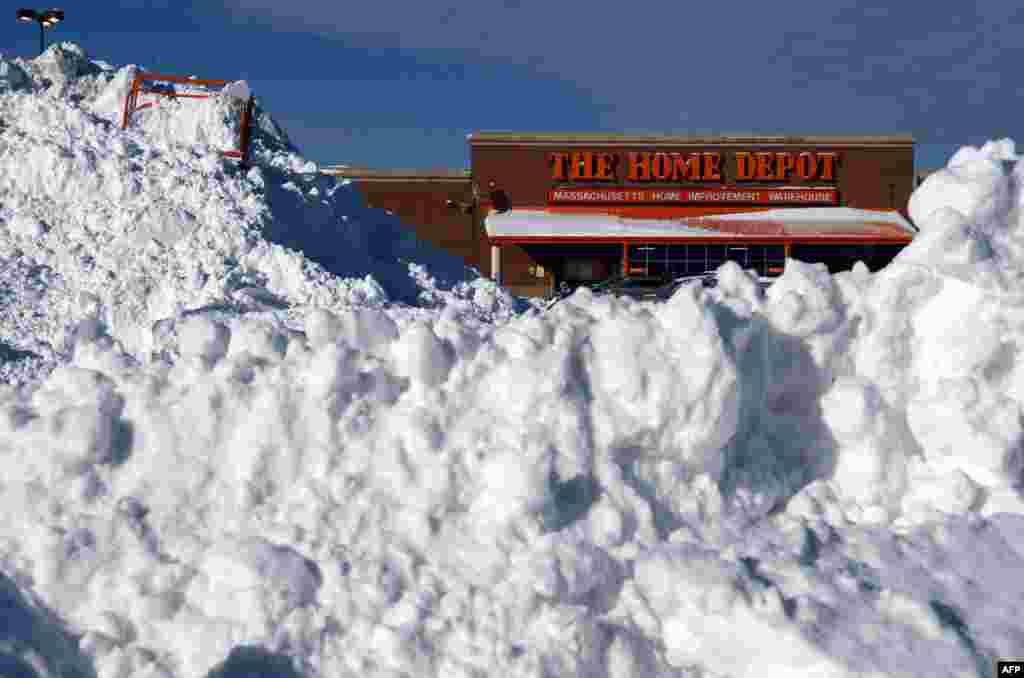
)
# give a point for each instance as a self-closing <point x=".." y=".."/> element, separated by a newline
<point x="46" y="18"/>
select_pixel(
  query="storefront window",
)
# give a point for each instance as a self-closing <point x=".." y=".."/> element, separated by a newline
<point x="843" y="257"/>
<point x="579" y="269"/>
<point x="774" y="259"/>
<point x="683" y="260"/>
<point x="647" y="260"/>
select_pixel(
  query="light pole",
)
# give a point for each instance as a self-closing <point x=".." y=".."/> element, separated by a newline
<point x="46" y="18"/>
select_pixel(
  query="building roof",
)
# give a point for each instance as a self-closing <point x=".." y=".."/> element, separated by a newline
<point x="803" y="223"/>
<point x="390" y="174"/>
<point x="596" y="138"/>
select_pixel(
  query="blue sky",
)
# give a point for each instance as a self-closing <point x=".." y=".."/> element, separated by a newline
<point x="400" y="84"/>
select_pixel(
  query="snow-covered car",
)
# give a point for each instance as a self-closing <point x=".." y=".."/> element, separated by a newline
<point x="704" y="280"/>
<point x="643" y="288"/>
<point x="660" y="289"/>
<point x="637" y="288"/>
<point x="647" y="289"/>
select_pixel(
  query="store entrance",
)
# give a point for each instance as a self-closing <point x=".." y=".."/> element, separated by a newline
<point x="576" y="265"/>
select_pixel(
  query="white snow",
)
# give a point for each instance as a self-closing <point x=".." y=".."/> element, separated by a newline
<point x="544" y="223"/>
<point x="238" y="89"/>
<point x="829" y="215"/>
<point x="222" y="459"/>
<point x="140" y="226"/>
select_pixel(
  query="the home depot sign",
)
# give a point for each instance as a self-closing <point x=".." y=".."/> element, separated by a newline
<point x="655" y="166"/>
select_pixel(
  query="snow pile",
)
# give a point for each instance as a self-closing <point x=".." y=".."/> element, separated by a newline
<point x="818" y="480"/>
<point x="140" y="225"/>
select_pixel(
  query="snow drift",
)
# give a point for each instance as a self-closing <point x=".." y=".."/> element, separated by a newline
<point x="820" y="480"/>
<point x="142" y="225"/>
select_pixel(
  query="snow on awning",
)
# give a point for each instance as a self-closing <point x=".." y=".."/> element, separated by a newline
<point x="823" y="223"/>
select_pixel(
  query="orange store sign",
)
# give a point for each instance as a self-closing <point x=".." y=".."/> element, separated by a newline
<point x="648" y="166"/>
<point x="604" y="195"/>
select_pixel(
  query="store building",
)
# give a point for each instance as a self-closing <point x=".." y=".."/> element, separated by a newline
<point x="538" y="210"/>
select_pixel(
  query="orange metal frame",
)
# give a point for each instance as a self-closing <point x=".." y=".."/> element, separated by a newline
<point x="131" y="104"/>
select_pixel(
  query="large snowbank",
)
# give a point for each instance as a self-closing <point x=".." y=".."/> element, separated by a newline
<point x="141" y="225"/>
<point x="820" y="480"/>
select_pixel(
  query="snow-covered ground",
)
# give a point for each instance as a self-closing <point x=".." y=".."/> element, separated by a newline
<point x="222" y="459"/>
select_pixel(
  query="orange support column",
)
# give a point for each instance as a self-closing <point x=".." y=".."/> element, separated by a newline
<point x="243" y="139"/>
<point x="496" y="263"/>
<point x="625" y="259"/>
